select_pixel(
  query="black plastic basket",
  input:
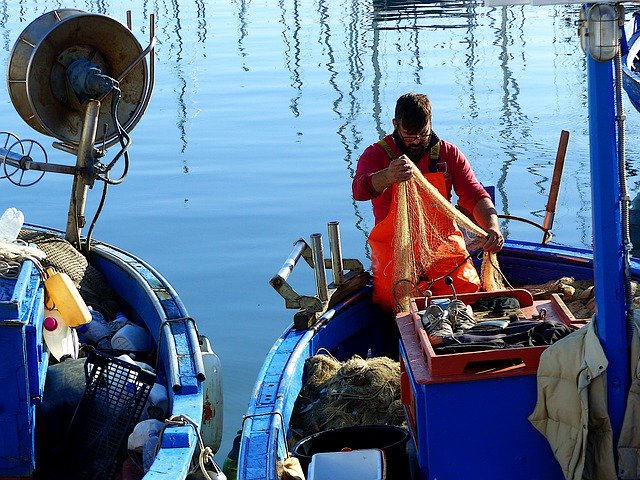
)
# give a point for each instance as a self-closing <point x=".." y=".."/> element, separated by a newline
<point x="115" y="394"/>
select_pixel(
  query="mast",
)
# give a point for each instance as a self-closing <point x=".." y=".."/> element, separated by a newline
<point x="610" y="316"/>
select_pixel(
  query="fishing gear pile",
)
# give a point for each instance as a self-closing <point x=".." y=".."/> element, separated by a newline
<point x="344" y="394"/>
<point x="63" y="257"/>
<point x="578" y="295"/>
<point x="423" y="240"/>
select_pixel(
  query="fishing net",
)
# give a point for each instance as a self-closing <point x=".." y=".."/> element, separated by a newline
<point x="344" y="394"/>
<point x="63" y="257"/>
<point x="430" y="240"/>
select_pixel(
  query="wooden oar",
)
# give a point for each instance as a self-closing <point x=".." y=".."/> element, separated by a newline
<point x="555" y="186"/>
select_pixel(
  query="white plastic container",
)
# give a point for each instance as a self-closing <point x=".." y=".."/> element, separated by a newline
<point x="158" y="402"/>
<point x="366" y="464"/>
<point x="59" y="339"/>
<point x="132" y="338"/>
<point x="10" y="224"/>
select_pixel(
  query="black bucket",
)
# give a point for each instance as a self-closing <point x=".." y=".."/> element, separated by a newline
<point x="390" y="439"/>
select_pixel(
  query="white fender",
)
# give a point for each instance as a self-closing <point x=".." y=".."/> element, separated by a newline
<point x="211" y="429"/>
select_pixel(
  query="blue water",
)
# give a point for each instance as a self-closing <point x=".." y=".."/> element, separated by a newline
<point x="260" y="111"/>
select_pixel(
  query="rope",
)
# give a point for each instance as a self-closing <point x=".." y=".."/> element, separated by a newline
<point x="206" y="454"/>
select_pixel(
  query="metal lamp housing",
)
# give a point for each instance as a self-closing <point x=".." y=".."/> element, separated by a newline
<point x="603" y="32"/>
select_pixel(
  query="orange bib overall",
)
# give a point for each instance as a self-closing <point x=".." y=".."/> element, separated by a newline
<point x="450" y="253"/>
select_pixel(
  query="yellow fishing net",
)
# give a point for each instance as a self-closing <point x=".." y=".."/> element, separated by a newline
<point x="429" y="239"/>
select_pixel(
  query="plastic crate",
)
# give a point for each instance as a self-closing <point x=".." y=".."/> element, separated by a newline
<point x="23" y="367"/>
<point x="482" y="364"/>
<point x="115" y="394"/>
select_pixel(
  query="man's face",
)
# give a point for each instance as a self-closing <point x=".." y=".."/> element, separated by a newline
<point x="415" y="142"/>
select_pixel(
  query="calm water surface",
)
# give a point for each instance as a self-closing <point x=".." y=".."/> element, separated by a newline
<point x="260" y="111"/>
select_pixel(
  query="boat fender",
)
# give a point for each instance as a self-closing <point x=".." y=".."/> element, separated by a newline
<point x="62" y="294"/>
<point x="211" y="425"/>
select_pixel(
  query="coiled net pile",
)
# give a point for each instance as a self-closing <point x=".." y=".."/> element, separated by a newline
<point x="578" y="295"/>
<point x="343" y="394"/>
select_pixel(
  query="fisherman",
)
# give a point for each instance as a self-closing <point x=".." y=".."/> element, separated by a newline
<point x="388" y="162"/>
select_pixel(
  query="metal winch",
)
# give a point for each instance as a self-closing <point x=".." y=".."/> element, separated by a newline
<point x="83" y="79"/>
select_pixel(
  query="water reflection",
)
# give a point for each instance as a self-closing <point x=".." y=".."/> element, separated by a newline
<point x="242" y="30"/>
<point x="393" y="14"/>
<point x="292" y="52"/>
<point x="347" y="105"/>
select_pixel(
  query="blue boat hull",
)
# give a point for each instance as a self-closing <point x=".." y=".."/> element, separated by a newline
<point x="152" y="301"/>
<point x="356" y="327"/>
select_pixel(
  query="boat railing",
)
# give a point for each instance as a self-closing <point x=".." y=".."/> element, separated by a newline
<point x="348" y="276"/>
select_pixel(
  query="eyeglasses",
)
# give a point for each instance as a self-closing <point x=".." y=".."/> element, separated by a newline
<point x="412" y="138"/>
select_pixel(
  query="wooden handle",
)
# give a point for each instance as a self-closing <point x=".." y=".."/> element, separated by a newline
<point x="555" y="186"/>
<point x="557" y="174"/>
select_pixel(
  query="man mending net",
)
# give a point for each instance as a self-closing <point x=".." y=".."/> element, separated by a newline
<point x="417" y="240"/>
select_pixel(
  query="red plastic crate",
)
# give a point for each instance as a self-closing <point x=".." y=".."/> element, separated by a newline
<point x="482" y="364"/>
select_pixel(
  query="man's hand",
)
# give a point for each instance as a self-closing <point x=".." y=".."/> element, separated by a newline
<point x="399" y="170"/>
<point x="494" y="240"/>
<point x="486" y="216"/>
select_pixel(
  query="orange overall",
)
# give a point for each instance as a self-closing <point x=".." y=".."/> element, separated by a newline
<point x="451" y="254"/>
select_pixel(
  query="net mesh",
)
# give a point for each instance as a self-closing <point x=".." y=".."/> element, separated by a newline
<point x="63" y="257"/>
<point x="431" y="240"/>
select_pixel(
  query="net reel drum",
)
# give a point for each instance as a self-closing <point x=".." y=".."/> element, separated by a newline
<point x="81" y="78"/>
<point x="38" y="74"/>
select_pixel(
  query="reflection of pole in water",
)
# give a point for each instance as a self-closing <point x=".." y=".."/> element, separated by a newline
<point x="173" y="36"/>
<point x="515" y="129"/>
<point x="293" y="45"/>
<point x="202" y="21"/>
<point x="347" y="132"/>
<point x="377" y="78"/>
<point x="242" y="29"/>
<point x="470" y="61"/>
<point x="182" y="83"/>
<point x="4" y="18"/>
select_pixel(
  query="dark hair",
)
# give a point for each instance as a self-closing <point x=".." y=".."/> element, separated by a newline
<point x="413" y="112"/>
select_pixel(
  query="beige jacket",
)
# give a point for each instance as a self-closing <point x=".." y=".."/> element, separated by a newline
<point x="571" y="408"/>
<point x="629" y="443"/>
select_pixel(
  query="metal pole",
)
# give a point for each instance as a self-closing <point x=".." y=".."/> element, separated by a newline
<point x="318" y="267"/>
<point x="81" y="180"/>
<point x="609" y="288"/>
<point x="336" y="253"/>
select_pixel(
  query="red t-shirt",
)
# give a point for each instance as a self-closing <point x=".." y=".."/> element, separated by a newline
<point x="452" y="162"/>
